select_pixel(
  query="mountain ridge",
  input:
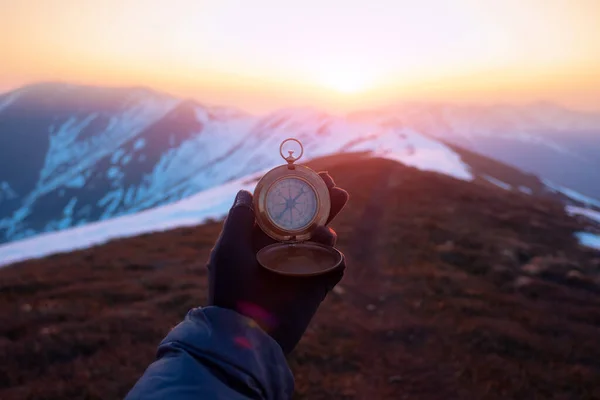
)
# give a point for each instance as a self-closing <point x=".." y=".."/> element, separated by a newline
<point x="84" y="154"/>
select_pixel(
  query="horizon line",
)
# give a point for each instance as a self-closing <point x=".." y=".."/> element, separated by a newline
<point x="397" y="103"/>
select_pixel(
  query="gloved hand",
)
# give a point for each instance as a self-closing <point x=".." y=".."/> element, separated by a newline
<point x="281" y="305"/>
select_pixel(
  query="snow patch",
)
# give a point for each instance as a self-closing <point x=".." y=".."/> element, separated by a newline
<point x="213" y="203"/>
<point x="129" y="196"/>
<point x="525" y="190"/>
<point x="8" y="99"/>
<point x="415" y="150"/>
<point x="588" y="239"/>
<point x="113" y="172"/>
<point x="69" y="155"/>
<point x="110" y="202"/>
<point x="497" y="182"/>
<point x="76" y="182"/>
<point x="139" y="144"/>
<point x="6" y="192"/>
<point x="126" y="159"/>
<point x="67" y="218"/>
<point x="572" y="194"/>
<point x="591" y="214"/>
<point x="63" y="144"/>
<point x="117" y="156"/>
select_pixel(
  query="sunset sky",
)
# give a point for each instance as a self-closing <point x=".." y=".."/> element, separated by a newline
<point x="345" y="54"/>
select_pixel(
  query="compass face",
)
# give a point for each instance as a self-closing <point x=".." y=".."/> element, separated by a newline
<point x="291" y="204"/>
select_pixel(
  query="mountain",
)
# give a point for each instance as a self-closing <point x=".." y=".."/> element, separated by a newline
<point x="453" y="290"/>
<point x="74" y="154"/>
<point x="552" y="142"/>
<point x="71" y="155"/>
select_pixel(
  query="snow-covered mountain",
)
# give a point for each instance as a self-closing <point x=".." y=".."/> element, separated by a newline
<point x="550" y="141"/>
<point x="70" y="155"/>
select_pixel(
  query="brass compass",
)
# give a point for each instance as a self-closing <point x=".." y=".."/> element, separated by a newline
<point x="290" y="202"/>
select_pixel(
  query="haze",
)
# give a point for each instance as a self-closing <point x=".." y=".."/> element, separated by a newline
<point x="339" y="55"/>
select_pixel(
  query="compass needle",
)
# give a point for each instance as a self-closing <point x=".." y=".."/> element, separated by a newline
<point x="277" y="218"/>
<point x="299" y="194"/>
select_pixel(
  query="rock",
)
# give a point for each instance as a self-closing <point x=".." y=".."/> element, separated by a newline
<point x="509" y="253"/>
<point x="371" y="307"/>
<point x="550" y="267"/>
<point x="575" y="275"/>
<point x="448" y="246"/>
<point x="26" y="307"/>
<point x="523" y="282"/>
<point x="395" y="379"/>
<point x="578" y="279"/>
<point x="533" y="269"/>
<point x="339" y="290"/>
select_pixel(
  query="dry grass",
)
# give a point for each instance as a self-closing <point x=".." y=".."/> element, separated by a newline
<point x="453" y="291"/>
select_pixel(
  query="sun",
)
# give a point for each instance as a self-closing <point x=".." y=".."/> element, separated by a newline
<point x="346" y="81"/>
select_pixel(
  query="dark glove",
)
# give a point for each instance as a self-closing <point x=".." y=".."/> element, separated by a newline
<point x="281" y="305"/>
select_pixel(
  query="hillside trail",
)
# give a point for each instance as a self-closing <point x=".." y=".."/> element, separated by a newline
<point x="368" y="233"/>
<point x="370" y="242"/>
<point x="386" y="288"/>
<point x="370" y="282"/>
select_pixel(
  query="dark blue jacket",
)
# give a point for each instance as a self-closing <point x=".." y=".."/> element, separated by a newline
<point x="216" y="353"/>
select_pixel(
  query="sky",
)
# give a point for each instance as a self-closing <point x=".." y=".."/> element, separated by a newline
<point x="262" y="55"/>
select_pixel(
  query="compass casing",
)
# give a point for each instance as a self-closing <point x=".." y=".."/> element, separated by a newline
<point x="293" y="255"/>
<point x="314" y="182"/>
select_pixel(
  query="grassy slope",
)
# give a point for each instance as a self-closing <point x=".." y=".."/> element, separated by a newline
<point x="453" y="290"/>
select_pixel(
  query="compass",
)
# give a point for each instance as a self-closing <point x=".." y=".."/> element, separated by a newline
<point x="290" y="202"/>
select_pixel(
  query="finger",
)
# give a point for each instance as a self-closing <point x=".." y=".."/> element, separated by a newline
<point x="327" y="179"/>
<point x="339" y="198"/>
<point x="324" y="235"/>
<point x="261" y="239"/>
<point x="240" y="220"/>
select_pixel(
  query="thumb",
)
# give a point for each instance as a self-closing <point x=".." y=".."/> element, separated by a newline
<point x="240" y="220"/>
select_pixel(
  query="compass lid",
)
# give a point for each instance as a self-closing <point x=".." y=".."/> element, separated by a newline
<point x="299" y="259"/>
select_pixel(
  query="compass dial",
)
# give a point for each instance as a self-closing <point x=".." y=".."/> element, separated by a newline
<point x="291" y="204"/>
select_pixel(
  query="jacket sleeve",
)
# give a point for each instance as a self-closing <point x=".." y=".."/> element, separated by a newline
<point x="216" y="353"/>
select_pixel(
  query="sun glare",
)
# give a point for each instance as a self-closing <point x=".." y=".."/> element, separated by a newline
<point x="346" y="82"/>
<point x="220" y="52"/>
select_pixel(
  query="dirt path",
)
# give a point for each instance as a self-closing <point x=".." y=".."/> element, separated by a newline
<point x="364" y="250"/>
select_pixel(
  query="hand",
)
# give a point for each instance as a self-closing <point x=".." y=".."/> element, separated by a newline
<point x="281" y="305"/>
